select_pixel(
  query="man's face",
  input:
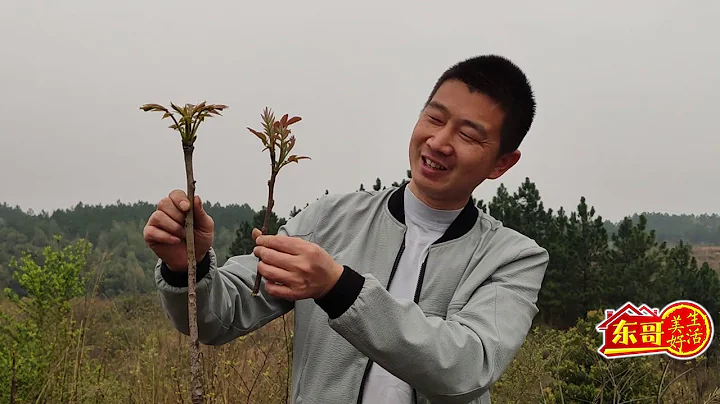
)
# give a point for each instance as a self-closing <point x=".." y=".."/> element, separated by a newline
<point x="460" y="132"/>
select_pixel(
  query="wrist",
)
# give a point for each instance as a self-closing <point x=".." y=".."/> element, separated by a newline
<point x="182" y="266"/>
<point x="176" y="267"/>
<point x="335" y="275"/>
<point x="342" y="294"/>
<point x="180" y="278"/>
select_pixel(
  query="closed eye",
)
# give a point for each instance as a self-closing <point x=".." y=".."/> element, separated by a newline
<point x="472" y="138"/>
<point x="436" y="120"/>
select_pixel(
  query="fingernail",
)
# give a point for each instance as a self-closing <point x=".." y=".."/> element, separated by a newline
<point x="184" y="205"/>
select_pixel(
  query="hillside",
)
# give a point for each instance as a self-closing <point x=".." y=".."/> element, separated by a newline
<point x="117" y="229"/>
<point x="128" y="352"/>
<point x="709" y="254"/>
<point x="700" y="230"/>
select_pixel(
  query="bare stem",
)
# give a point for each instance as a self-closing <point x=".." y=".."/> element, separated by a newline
<point x="196" y="384"/>
<point x="83" y="333"/>
<point x="664" y="390"/>
<point x="288" y="370"/>
<point x="266" y="356"/>
<point x="266" y="222"/>
<point x="13" y="379"/>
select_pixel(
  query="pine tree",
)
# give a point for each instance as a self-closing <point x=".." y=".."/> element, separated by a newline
<point x="404" y="181"/>
<point x="630" y="270"/>
<point x="378" y="185"/>
<point x="243" y="243"/>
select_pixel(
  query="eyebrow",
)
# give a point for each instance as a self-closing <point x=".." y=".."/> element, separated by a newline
<point x="478" y="127"/>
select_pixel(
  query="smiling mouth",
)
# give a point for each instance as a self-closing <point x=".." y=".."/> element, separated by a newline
<point x="432" y="164"/>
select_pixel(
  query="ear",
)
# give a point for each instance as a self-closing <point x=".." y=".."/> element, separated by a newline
<point x="504" y="163"/>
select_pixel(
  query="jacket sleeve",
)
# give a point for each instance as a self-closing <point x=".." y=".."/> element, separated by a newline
<point x="226" y="307"/>
<point x="453" y="360"/>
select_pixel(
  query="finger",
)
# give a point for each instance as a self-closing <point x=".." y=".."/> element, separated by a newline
<point x="180" y="199"/>
<point x="152" y="234"/>
<point x="256" y="233"/>
<point x="286" y="244"/>
<point x="275" y="258"/>
<point x="279" y="291"/>
<point x="274" y="274"/>
<point x="164" y="222"/>
<point x="202" y="219"/>
<point x="168" y="206"/>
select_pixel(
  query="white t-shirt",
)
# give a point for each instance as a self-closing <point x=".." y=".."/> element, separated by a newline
<point x="424" y="226"/>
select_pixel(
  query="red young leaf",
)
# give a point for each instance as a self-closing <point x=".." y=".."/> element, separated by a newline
<point x="261" y="136"/>
<point x="295" y="158"/>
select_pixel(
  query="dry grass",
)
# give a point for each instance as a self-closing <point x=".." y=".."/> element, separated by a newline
<point x="709" y="254"/>
<point x="556" y="367"/>
<point x="139" y="358"/>
<point x="131" y="354"/>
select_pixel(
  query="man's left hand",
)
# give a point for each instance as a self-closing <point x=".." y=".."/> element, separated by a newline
<point x="294" y="268"/>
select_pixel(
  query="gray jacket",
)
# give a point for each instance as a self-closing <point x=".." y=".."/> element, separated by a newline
<point x="474" y="303"/>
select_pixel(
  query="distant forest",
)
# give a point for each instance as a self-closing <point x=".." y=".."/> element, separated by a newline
<point x="698" y="230"/>
<point x="117" y="229"/>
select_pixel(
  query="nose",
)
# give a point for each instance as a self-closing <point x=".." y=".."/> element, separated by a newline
<point x="440" y="140"/>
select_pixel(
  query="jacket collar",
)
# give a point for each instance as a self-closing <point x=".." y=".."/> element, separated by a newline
<point x="461" y="225"/>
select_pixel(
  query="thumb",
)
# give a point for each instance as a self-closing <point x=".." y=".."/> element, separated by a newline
<point x="202" y="219"/>
<point x="256" y="233"/>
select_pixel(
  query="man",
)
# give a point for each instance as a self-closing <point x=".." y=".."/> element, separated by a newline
<point x="406" y="295"/>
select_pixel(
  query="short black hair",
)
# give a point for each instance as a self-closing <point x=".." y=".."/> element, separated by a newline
<point x="504" y="82"/>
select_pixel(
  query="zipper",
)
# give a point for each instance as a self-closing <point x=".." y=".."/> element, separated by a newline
<point x="421" y="277"/>
<point x="392" y="275"/>
<point x="418" y="288"/>
<point x="416" y="299"/>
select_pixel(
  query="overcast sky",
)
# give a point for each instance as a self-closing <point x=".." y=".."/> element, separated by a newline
<point x="628" y="96"/>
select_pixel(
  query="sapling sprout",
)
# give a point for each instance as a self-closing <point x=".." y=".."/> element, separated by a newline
<point x="277" y="140"/>
<point x="190" y="118"/>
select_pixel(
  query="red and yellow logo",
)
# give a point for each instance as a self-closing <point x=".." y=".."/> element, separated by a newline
<point x="683" y="330"/>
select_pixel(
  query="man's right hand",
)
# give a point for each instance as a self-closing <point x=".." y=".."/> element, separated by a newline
<point x="165" y="230"/>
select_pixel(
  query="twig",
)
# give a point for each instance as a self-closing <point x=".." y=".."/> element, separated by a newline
<point x="83" y="332"/>
<point x="664" y="390"/>
<point x="662" y="379"/>
<point x="190" y="118"/>
<point x="266" y="356"/>
<point x="276" y="134"/>
<point x="13" y="381"/>
<point x="288" y="368"/>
